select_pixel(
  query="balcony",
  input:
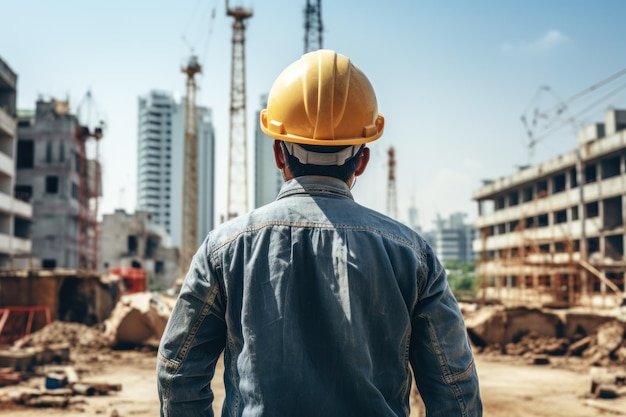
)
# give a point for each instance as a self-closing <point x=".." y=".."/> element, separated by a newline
<point x="11" y="205"/>
<point x="7" y="165"/>
<point x="14" y="245"/>
<point x="8" y="125"/>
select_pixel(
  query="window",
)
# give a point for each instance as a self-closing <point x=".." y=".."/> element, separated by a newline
<point x="49" y="263"/>
<point x="527" y="194"/>
<point x="542" y="220"/>
<point x="529" y="222"/>
<point x="513" y="198"/>
<point x="573" y="178"/>
<point x="132" y="245"/>
<point x="590" y="174"/>
<point x="48" y="152"/>
<point x="574" y="210"/>
<point x="76" y="162"/>
<point x="23" y="192"/>
<point x="542" y="189"/>
<point x="75" y="191"/>
<point x="499" y="203"/>
<point x="560" y="216"/>
<point x="592" y="209"/>
<point x="25" y="154"/>
<point x="610" y="167"/>
<point x="52" y="184"/>
<point x="558" y="183"/>
<point x="61" y="152"/>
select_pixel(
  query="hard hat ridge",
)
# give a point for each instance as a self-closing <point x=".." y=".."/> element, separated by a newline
<point x="322" y="99"/>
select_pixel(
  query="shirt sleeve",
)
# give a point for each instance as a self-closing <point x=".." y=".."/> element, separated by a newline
<point x="440" y="354"/>
<point x="192" y="342"/>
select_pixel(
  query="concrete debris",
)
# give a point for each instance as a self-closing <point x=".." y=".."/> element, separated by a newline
<point x="27" y="358"/>
<point x="530" y="332"/>
<point x="138" y="319"/>
<point x="8" y="376"/>
<point x="536" y="336"/>
<point x="79" y="336"/>
<point x="58" y="388"/>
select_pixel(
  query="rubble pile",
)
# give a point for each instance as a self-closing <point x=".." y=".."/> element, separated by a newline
<point x="138" y="320"/>
<point x="606" y="347"/>
<point x="79" y="336"/>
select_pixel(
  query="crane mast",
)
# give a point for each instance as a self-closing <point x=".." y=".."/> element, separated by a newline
<point x="313" y="26"/>
<point x="237" y="193"/>
<point x="189" y="232"/>
<point x="392" y="198"/>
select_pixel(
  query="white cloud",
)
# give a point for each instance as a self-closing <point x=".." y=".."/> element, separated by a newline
<point x="548" y="41"/>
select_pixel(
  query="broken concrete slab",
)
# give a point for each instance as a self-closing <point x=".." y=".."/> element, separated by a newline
<point x="502" y="326"/>
<point x="137" y="319"/>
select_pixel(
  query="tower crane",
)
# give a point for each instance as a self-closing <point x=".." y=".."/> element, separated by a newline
<point x="89" y="182"/>
<point x="313" y="26"/>
<point x="189" y="233"/>
<point x="392" y="197"/>
<point x="237" y="194"/>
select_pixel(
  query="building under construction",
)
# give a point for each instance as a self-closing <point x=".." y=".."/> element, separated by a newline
<point x="553" y="234"/>
<point x="56" y="177"/>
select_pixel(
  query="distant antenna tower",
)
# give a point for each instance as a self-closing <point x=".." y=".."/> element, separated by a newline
<point x="189" y="221"/>
<point x="392" y="197"/>
<point x="313" y="26"/>
<point x="237" y="194"/>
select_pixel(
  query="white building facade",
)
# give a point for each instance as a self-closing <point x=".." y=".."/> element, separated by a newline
<point x="15" y="211"/>
<point x="452" y="239"/>
<point x="160" y="160"/>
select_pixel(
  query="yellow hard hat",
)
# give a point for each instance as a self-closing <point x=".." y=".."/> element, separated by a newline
<point x="322" y="99"/>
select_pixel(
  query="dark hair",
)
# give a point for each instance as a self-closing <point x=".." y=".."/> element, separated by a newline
<point x="342" y="172"/>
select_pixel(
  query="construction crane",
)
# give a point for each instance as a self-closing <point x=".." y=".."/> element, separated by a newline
<point x="313" y="26"/>
<point x="189" y="223"/>
<point x="237" y="194"/>
<point x="392" y="197"/>
<point x="89" y="179"/>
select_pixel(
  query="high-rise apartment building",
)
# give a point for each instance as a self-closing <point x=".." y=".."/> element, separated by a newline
<point x="15" y="210"/>
<point x="554" y="233"/>
<point x="452" y="239"/>
<point x="267" y="178"/>
<point x="160" y="161"/>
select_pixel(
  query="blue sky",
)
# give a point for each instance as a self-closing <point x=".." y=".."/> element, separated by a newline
<point x="453" y="78"/>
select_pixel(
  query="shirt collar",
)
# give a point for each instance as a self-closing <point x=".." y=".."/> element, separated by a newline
<point x="315" y="185"/>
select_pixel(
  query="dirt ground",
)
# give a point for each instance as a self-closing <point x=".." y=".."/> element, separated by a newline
<point x="509" y="388"/>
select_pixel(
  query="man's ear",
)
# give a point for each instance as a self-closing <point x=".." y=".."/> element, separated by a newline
<point x="279" y="157"/>
<point x="363" y="161"/>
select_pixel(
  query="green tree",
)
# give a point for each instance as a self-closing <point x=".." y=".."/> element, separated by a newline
<point x="462" y="278"/>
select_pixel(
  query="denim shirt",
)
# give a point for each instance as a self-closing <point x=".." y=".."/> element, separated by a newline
<point x="321" y="307"/>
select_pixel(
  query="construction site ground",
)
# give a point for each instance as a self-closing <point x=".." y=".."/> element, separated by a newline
<point x="510" y="388"/>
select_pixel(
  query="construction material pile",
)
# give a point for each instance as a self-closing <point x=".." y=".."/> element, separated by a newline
<point x="79" y="336"/>
<point x="605" y="347"/>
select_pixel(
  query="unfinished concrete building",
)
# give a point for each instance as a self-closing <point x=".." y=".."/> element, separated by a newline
<point x="15" y="211"/>
<point x="134" y="240"/>
<point x="54" y="174"/>
<point x="553" y="234"/>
